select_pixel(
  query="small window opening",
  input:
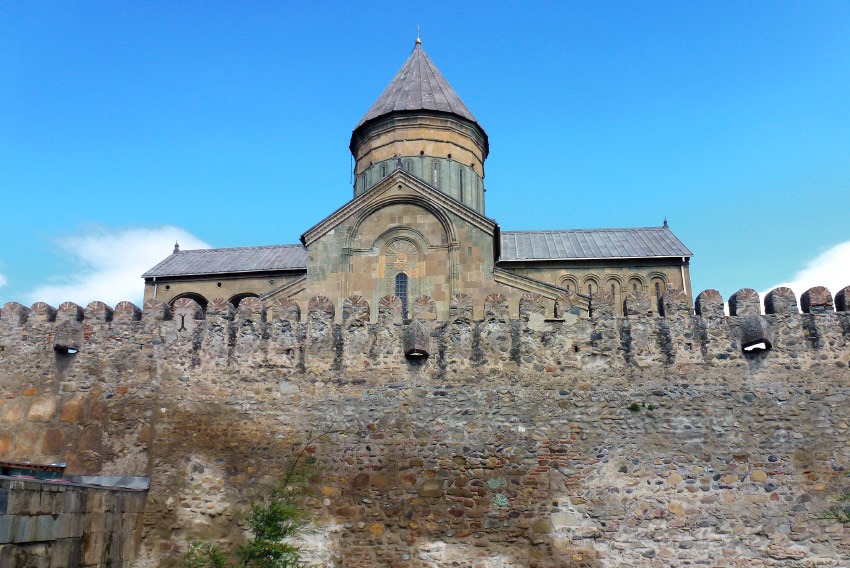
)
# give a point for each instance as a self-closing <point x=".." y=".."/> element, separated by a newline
<point x="168" y="286"/>
<point x="435" y="174"/>
<point x="408" y="165"/>
<point x="613" y="290"/>
<point x="590" y="289"/>
<point x="218" y="284"/>
<point x="383" y="170"/>
<point x="460" y="182"/>
<point x="657" y="291"/>
<point x="634" y="288"/>
<point x="568" y="288"/>
<point x="401" y="292"/>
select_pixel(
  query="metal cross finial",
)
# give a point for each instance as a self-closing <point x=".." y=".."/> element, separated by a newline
<point x="176" y="247"/>
<point x="418" y="40"/>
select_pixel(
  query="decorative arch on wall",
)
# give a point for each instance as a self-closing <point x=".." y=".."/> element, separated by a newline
<point x="613" y="281"/>
<point x="636" y="279"/>
<point x="236" y="298"/>
<point x="570" y="283"/>
<point x="366" y="212"/>
<point x="590" y="285"/>
<point x="658" y="283"/>
<point x="192" y="296"/>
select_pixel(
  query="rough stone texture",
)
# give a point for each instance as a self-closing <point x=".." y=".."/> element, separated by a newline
<point x="416" y="340"/>
<point x="744" y="302"/>
<point x="460" y="307"/>
<point x="424" y="308"/>
<point x="602" y="305"/>
<point x="637" y="304"/>
<point x="816" y="300"/>
<point x="46" y="525"/>
<point x="530" y="303"/>
<point x="674" y="303"/>
<point x="43" y="312"/>
<point x="755" y="330"/>
<point x="709" y="304"/>
<point x="842" y="300"/>
<point x="780" y="301"/>
<point x="603" y="441"/>
<point x="127" y="311"/>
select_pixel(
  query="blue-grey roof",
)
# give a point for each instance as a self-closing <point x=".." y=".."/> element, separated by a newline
<point x="229" y="260"/>
<point x="576" y="244"/>
<point x="418" y="85"/>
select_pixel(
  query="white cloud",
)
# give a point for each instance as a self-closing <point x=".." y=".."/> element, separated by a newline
<point x="110" y="264"/>
<point x="830" y="268"/>
<point x="2" y="280"/>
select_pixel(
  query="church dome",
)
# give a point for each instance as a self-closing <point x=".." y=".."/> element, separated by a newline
<point x="419" y="123"/>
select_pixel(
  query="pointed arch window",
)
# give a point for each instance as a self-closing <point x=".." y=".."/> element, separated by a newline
<point x="401" y="292"/>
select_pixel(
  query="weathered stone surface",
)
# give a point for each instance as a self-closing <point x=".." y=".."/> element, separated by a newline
<point x="355" y="311"/>
<point x="127" y="311"/>
<point x="530" y="303"/>
<point x="674" y="303"/>
<point x="709" y="303"/>
<point x="637" y="304"/>
<point x="602" y="306"/>
<point x="780" y="301"/>
<point x="42" y="409"/>
<point x="460" y="307"/>
<point x="14" y="313"/>
<point x="42" y="312"/>
<point x="389" y="310"/>
<point x="98" y="311"/>
<point x="496" y="307"/>
<point x="755" y="330"/>
<point x="744" y="302"/>
<point x="842" y="300"/>
<point x="416" y="340"/>
<point x="815" y="300"/>
<point x="424" y="308"/>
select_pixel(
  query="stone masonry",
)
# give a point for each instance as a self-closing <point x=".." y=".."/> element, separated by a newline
<point x="645" y="440"/>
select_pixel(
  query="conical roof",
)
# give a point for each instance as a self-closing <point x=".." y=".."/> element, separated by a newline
<point x="418" y="85"/>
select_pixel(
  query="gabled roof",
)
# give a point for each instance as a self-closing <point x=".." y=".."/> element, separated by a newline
<point x="230" y="260"/>
<point x="645" y="242"/>
<point x="418" y="85"/>
<point x="384" y="193"/>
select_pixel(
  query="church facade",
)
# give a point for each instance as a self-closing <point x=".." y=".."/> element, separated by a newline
<point x="415" y="235"/>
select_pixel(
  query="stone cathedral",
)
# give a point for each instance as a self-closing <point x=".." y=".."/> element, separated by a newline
<point x="416" y="234"/>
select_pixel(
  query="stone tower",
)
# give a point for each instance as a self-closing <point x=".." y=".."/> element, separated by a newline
<point x="419" y="124"/>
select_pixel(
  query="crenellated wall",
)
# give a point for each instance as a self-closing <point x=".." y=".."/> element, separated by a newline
<point x="526" y="438"/>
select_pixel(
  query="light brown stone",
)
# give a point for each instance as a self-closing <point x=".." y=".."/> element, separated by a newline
<point x="72" y="410"/>
<point x="42" y="409"/>
<point x="758" y="476"/>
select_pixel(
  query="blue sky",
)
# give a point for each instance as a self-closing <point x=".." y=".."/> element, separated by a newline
<point x="123" y="125"/>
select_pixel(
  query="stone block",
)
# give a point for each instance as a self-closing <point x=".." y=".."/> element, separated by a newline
<point x="51" y="442"/>
<point x="155" y="310"/>
<point x="389" y="310"/>
<point x="127" y="311"/>
<point x="14" y="313"/>
<point x="842" y="300"/>
<point x="98" y="311"/>
<point x="423" y="308"/>
<point x="355" y="311"/>
<point x="72" y="410"/>
<point x="431" y="488"/>
<point x="637" y="304"/>
<point x="744" y="302"/>
<point x="709" y="303"/>
<point x="42" y="312"/>
<point x="186" y="315"/>
<point x="286" y="309"/>
<point x="25" y="529"/>
<point x="69" y="335"/>
<point x="460" y="307"/>
<point x="601" y="305"/>
<point x="320" y="308"/>
<point x="674" y="303"/>
<point x="7" y="528"/>
<point x="416" y="340"/>
<point x="69" y="311"/>
<point x="530" y="303"/>
<point x="42" y="409"/>
<point x="567" y="303"/>
<point x="780" y="301"/>
<point x="25" y="444"/>
<point x="816" y="300"/>
<point x="46" y="528"/>
<point x="496" y="307"/>
<point x="5" y="446"/>
<point x="755" y="330"/>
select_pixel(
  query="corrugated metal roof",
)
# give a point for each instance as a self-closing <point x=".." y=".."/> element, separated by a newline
<point x="592" y="243"/>
<point x="244" y="259"/>
<point x="418" y="85"/>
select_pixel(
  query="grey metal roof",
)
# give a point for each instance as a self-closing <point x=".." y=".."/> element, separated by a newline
<point x="591" y="243"/>
<point x="418" y="85"/>
<point x="244" y="259"/>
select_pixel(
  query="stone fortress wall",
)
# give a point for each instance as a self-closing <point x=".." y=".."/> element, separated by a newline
<point x="521" y="439"/>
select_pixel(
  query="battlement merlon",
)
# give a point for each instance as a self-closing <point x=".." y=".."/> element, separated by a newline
<point x="277" y="337"/>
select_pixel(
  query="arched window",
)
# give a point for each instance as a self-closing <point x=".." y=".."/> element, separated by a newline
<point x="657" y="291"/>
<point x="460" y="182"/>
<point x="613" y="290"/>
<point x="401" y="292"/>
<point x="589" y="289"/>
<point x="408" y="165"/>
<point x="435" y="174"/>
<point x="634" y="287"/>
<point x="383" y="170"/>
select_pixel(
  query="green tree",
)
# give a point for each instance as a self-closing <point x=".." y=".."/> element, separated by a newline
<point x="276" y="522"/>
